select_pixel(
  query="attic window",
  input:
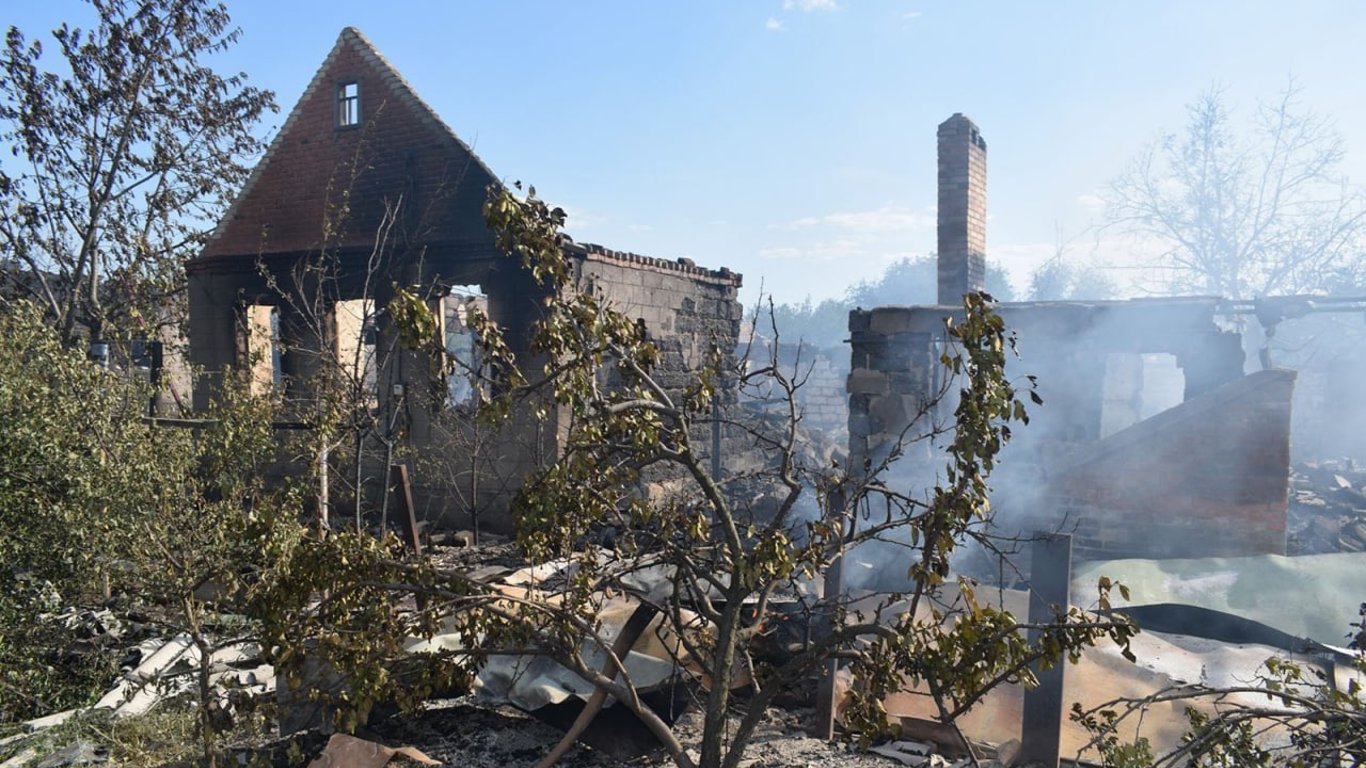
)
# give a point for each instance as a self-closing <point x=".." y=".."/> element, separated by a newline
<point x="348" y="104"/>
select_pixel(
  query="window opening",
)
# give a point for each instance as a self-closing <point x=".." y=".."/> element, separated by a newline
<point x="355" y="323"/>
<point x="263" y="349"/>
<point x="466" y="378"/>
<point x="1138" y="387"/>
<point x="348" y="104"/>
<point x="1164" y="384"/>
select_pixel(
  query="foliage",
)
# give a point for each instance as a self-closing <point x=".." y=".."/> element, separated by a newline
<point x="908" y="281"/>
<point x="46" y="667"/>
<point x="60" y="427"/>
<point x="1059" y="279"/>
<point x="1246" y="213"/>
<point x="1291" y="714"/>
<point x="915" y="280"/>
<point x="824" y="325"/>
<point x="339" y="629"/>
<point x="164" y="736"/>
<point x="98" y="505"/>
<point x="126" y="154"/>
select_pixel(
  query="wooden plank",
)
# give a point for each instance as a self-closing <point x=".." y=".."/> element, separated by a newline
<point x="403" y="492"/>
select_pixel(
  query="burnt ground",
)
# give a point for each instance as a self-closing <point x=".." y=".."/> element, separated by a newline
<point x="1327" y="510"/>
<point x="459" y="733"/>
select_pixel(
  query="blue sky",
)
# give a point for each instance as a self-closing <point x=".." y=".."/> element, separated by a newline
<point x="793" y="140"/>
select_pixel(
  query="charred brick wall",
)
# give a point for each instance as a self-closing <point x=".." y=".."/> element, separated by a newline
<point x="1207" y="478"/>
<point x="342" y="209"/>
<point x="891" y="378"/>
<point x="686" y="311"/>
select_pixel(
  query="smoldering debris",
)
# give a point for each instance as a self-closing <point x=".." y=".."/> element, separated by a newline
<point x="1327" y="508"/>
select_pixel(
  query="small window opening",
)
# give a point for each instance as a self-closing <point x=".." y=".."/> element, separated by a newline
<point x="1138" y="387"/>
<point x="1164" y="384"/>
<point x="263" y="349"/>
<point x="348" y="104"/>
<point x="466" y="379"/>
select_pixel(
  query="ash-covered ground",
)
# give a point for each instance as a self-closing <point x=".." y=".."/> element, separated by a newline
<point x="459" y="733"/>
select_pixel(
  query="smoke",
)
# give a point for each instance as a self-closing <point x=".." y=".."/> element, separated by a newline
<point x="1328" y="350"/>
<point x="1115" y="458"/>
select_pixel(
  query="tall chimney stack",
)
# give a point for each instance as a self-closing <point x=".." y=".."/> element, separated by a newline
<point x="962" y="209"/>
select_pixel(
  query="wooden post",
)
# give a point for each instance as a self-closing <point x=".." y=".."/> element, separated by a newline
<point x="1050" y="577"/>
<point x="635" y="626"/>
<point x="403" y="491"/>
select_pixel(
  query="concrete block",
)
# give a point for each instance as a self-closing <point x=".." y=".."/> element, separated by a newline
<point x="889" y="411"/>
<point x="889" y="320"/>
<point x="865" y="381"/>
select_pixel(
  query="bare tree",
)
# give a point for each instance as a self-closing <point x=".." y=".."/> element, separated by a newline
<point x="124" y="154"/>
<point x="712" y="559"/>
<point x="1245" y="214"/>
<point x="1063" y="278"/>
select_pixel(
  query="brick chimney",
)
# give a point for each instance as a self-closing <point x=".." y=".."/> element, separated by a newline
<point x="962" y="209"/>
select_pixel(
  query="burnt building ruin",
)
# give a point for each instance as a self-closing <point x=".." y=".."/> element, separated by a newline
<point x="1151" y="441"/>
<point x="365" y="190"/>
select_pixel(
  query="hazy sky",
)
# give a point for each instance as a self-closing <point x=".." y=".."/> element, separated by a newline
<point x="794" y="140"/>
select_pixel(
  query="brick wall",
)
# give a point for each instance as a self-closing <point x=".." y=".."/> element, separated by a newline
<point x="822" y="397"/>
<point x="1207" y="478"/>
<point x="321" y="185"/>
<point x="825" y="404"/>
<point x="686" y="310"/>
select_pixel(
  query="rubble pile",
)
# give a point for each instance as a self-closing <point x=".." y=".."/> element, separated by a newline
<point x="1327" y="510"/>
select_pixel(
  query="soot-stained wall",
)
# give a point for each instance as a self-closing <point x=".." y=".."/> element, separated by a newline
<point x="1225" y="449"/>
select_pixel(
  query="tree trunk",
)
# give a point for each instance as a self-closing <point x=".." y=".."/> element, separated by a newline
<point x="722" y="673"/>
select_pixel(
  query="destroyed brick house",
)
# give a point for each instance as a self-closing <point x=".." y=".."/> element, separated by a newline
<point x="1152" y="442"/>
<point x="364" y="189"/>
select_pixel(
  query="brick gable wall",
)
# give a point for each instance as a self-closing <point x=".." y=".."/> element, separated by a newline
<point x="317" y="176"/>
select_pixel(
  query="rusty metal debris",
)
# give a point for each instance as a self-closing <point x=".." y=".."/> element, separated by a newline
<point x="344" y="751"/>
